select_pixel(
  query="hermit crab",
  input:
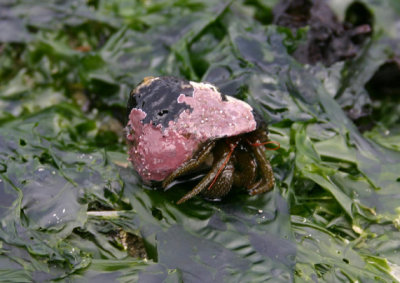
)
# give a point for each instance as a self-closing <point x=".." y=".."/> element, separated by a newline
<point x="178" y="128"/>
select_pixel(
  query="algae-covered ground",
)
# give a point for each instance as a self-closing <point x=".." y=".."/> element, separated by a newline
<point x="72" y="207"/>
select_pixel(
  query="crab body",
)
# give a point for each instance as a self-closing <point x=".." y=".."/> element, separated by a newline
<point x="177" y="127"/>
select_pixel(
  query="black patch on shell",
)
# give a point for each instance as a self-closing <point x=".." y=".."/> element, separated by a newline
<point x="159" y="100"/>
<point x="223" y="97"/>
<point x="260" y="123"/>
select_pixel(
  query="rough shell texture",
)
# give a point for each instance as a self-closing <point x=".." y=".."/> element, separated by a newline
<point x="170" y="119"/>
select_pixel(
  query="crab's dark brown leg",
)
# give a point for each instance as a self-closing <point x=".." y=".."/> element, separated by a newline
<point x="245" y="169"/>
<point x="224" y="152"/>
<point x="267" y="181"/>
<point x="223" y="183"/>
<point x="190" y="165"/>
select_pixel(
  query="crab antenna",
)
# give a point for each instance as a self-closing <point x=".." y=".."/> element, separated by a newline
<point x="228" y="157"/>
<point x="278" y="145"/>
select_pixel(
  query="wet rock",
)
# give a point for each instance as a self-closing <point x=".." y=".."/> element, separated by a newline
<point x="385" y="83"/>
<point x="328" y="40"/>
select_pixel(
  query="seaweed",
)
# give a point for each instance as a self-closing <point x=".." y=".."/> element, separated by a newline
<point x="73" y="209"/>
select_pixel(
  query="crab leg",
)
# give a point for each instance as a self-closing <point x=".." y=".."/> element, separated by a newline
<point x="211" y="176"/>
<point x="189" y="165"/>
<point x="247" y="169"/>
<point x="268" y="180"/>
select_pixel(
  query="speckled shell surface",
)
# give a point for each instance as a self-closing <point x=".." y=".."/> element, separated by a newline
<point x="170" y="119"/>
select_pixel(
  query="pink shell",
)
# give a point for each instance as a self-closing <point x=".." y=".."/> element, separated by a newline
<point x="156" y="152"/>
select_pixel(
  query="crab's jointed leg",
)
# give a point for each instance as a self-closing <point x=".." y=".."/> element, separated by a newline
<point x="225" y="151"/>
<point x="190" y="165"/>
<point x="267" y="181"/>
